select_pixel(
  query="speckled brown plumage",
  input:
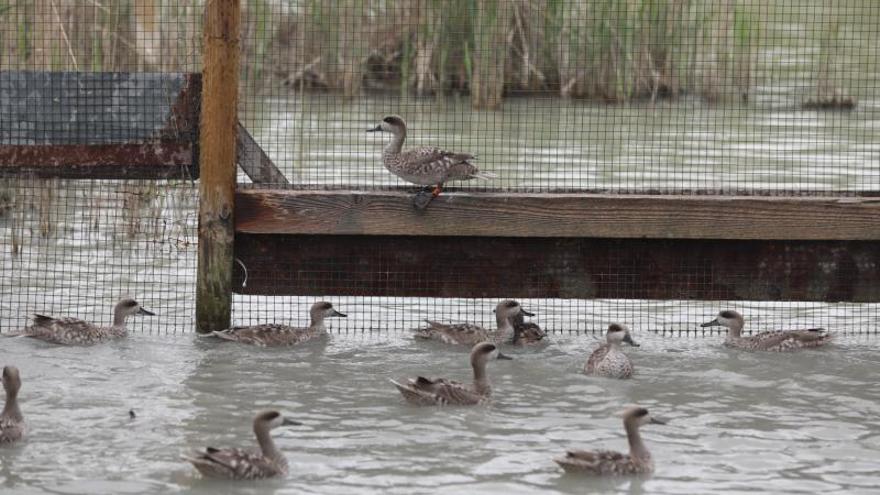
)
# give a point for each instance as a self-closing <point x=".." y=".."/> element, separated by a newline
<point x="426" y="165"/>
<point x="73" y="331"/>
<point x="609" y="463"/>
<point x="772" y="341"/>
<point x="276" y="335"/>
<point x="242" y="464"/>
<point x="608" y="360"/>
<point x="421" y="391"/>
<point x="470" y="334"/>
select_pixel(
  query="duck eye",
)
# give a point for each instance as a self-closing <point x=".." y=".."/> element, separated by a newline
<point x="388" y="120"/>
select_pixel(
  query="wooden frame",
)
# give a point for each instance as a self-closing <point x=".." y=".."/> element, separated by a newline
<point x="495" y="245"/>
<point x="281" y="211"/>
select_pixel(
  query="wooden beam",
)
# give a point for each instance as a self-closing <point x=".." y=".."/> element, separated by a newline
<point x="157" y="159"/>
<point x="279" y="211"/>
<point x="254" y="161"/>
<point x="217" y="161"/>
<point x="499" y="267"/>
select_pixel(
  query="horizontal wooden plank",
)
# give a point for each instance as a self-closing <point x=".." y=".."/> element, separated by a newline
<point x="283" y="211"/>
<point x="499" y="267"/>
<point x="158" y="159"/>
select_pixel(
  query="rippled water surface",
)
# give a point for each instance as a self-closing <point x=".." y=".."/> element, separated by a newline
<point x="807" y="422"/>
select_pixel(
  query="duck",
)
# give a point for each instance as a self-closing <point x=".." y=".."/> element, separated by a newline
<point x="773" y="341"/>
<point x="275" y="335"/>
<point x="424" y="166"/>
<point x="608" y="360"/>
<point x="526" y="333"/>
<point x="421" y="391"/>
<point x="610" y="463"/>
<point x="73" y="331"/>
<point x="243" y="464"/>
<point x="470" y="334"/>
<point x="12" y="426"/>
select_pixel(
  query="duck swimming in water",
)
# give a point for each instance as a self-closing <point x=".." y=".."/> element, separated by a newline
<point x="73" y="331"/>
<point x="526" y="333"/>
<point x="275" y="335"/>
<point x="608" y="360"/>
<point x="423" y="391"/>
<point x="470" y="334"/>
<point x="774" y="341"/>
<point x="241" y="464"/>
<point x="609" y="463"/>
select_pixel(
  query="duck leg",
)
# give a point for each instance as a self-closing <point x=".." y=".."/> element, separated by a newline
<point x="437" y="190"/>
<point x="423" y="198"/>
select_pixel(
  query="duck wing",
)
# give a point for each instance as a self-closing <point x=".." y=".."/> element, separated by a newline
<point x="69" y="331"/>
<point x="232" y="463"/>
<point x="790" y="340"/>
<point x="460" y="333"/>
<point x="266" y="335"/>
<point x="11" y="431"/>
<point x="596" y="357"/>
<point x="449" y="165"/>
<point x="527" y="333"/>
<point x="437" y="391"/>
<point x="429" y="156"/>
<point x="596" y="461"/>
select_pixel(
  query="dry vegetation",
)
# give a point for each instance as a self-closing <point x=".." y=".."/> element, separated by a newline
<point x="608" y="50"/>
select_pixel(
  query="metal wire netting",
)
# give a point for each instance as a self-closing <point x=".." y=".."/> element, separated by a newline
<point x="650" y="96"/>
<point x="734" y="97"/>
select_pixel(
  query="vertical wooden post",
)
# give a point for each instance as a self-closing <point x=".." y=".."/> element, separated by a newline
<point x="217" y="164"/>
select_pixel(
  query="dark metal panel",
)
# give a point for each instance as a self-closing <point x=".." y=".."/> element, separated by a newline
<point x="565" y="268"/>
<point x="103" y="125"/>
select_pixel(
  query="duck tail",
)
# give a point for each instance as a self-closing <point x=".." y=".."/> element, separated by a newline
<point x="484" y="175"/>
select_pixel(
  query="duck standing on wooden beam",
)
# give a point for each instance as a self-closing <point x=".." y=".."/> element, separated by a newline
<point x="426" y="165"/>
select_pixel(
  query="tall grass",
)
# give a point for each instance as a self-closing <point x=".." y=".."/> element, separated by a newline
<point x="614" y="50"/>
<point x="610" y="50"/>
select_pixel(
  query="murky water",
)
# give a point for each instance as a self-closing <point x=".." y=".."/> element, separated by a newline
<point x="738" y="421"/>
<point x="539" y="144"/>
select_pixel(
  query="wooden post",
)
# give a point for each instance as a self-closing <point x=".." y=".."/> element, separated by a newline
<point x="217" y="162"/>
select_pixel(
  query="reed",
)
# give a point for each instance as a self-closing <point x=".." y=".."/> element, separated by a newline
<point x="610" y="50"/>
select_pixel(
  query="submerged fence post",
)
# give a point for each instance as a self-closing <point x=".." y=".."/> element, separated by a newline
<point x="217" y="164"/>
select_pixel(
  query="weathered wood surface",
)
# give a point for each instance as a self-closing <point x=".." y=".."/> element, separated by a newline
<point x="217" y="186"/>
<point x="279" y="211"/>
<point x="327" y="265"/>
<point x="254" y="161"/>
<point x="104" y="125"/>
<point x="154" y="160"/>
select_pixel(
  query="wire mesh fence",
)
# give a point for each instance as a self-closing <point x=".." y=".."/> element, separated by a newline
<point x="648" y="96"/>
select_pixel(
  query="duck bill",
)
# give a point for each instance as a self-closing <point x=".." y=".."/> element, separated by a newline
<point x="504" y="356"/>
<point x="337" y="313"/>
<point x="378" y="128"/>
<point x="629" y="340"/>
<point x="290" y="422"/>
<point x="527" y="313"/>
<point x="144" y="312"/>
<point x="713" y="323"/>
<point x="656" y="421"/>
